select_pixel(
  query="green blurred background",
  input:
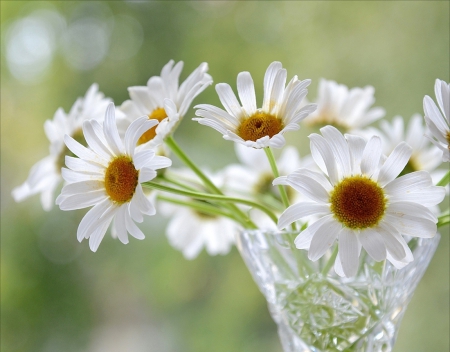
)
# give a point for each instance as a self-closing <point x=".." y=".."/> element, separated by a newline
<point x="56" y="295"/>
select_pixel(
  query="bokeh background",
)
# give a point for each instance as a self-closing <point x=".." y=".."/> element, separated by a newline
<point x="58" y="296"/>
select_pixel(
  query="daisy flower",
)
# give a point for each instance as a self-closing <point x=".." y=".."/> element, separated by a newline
<point x="45" y="175"/>
<point x="439" y="124"/>
<point x="108" y="176"/>
<point x="165" y="100"/>
<point x="360" y="201"/>
<point x="252" y="127"/>
<point x="190" y="230"/>
<point x="347" y="109"/>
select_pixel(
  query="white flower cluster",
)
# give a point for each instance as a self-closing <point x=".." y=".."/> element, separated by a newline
<point x="365" y="189"/>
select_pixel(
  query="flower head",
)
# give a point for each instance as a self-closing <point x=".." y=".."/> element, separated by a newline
<point x="439" y="123"/>
<point x="45" y="175"/>
<point x="108" y="176"/>
<point x="191" y="229"/>
<point x="360" y="201"/>
<point x="165" y="100"/>
<point x="258" y="128"/>
<point x="347" y="109"/>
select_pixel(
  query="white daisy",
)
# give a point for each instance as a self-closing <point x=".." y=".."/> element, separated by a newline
<point x="108" y="177"/>
<point x="45" y="175"/>
<point x="190" y="230"/>
<point x="360" y="200"/>
<point x="343" y="108"/>
<point x="253" y="178"/>
<point x="164" y="100"/>
<point x="252" y="127"/>
<point x="439" y="124"/>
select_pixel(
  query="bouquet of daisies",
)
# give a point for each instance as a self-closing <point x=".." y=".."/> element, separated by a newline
<point x="362" y="187"/>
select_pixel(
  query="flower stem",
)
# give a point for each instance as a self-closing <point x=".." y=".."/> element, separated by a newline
<point x="445" y="180"/>
<point x="330" y="261"/>
<point x="276" y="173"/>
<point x="443" y="220"/>
<point x="213" y="197"/>
<point x="206" y="181"/>
<point x="199" y="206"/>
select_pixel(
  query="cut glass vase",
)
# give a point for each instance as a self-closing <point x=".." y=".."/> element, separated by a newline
<point x="323" y="312"/>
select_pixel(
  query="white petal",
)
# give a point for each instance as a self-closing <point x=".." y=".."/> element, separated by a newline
<point x="412" y="209"/>
<point x="228" y="99"/>
<point x="303" y="240"/>
<point x="246" y="92"/>
<point x="412" y="226"/>
<point x="99" y="232"/>
<point x="133" y="229"/>
<point x="373" y="243"/>
<point x="141" y="96"/>
<point x="348" y="252"/>
<point x="120" y="224"/>
<point x="137" y="128"/>
<point x="96" y="142"/>
<point x="339" y="148"/>
<point x="308" y="186"/>
<point x="300" y="210"/>
<point x="110" y="131"/>
<point x="73" y="176"/>
<point x="142" y="158"/>
<point x="146" y="174"/>
<point x="277" y="91"/>
<point x="394" y="164"/>
<point x="427" y="197"/>
<point x="409" y="183"/>
<point x="159" y="162"/>
<point x="80" y="150"/>
<point x="276" y="141"/>
<point x="218" y="126"/>
<point x="269" y="79"/>
<point x="393" y="241"/>
<point x="81" y="165"/>
<point x="143" y="203"/>
<point x="371" y="156"/>
<point x="91" y="218"/>
<point x="433" y="113"/>
<point x="80" y="201"/>
<point x="356" y="145"/>
<point x="323" y="239"/>
<point x="324" y="157"/>
<point x="82" y="187"/>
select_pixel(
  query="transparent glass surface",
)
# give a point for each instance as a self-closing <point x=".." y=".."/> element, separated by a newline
<point x="316" y="310"/>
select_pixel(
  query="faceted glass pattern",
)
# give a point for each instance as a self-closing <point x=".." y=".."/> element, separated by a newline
<point x="318" y="311"/>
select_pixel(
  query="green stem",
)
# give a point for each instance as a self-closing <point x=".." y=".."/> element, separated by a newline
<point x="445" y="180"/>
<point x="206" y="181"/>
<point x="273" y="166"/>
<point x="443" y="220"/>
<point x="177" y="183"/>
<point x="330" y="261"/>
<point x="213" y="197"/>
<point x="200" y="206"/>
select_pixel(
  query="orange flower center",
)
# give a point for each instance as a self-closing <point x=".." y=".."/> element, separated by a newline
<point x="358" y="202"/>
<point x="259" y="125"/>
<point x="158" y="114"/>
<point x="121" y="179"/>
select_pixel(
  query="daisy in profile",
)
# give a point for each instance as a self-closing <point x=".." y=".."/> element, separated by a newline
<point x="360" y="201"/>
<point x="253" y="127"/>
<point x="108" y="176"/>
<point x="439" y="123"/>
<point x="191" y="229"/>
<point x="45" y="175"/>
<point x="165" y="100"/>
<point x="346" y="109"/>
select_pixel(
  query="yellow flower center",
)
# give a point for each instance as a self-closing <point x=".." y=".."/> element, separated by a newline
<point x="448" y="139"/>
<point x="121" y="179"/>
<point x="259" y="125"/>
<point x="158" y="114"/>
<point x="358" y="202"/>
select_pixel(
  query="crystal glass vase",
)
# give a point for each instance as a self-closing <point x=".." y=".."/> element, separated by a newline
<point x="318" y="311"/>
